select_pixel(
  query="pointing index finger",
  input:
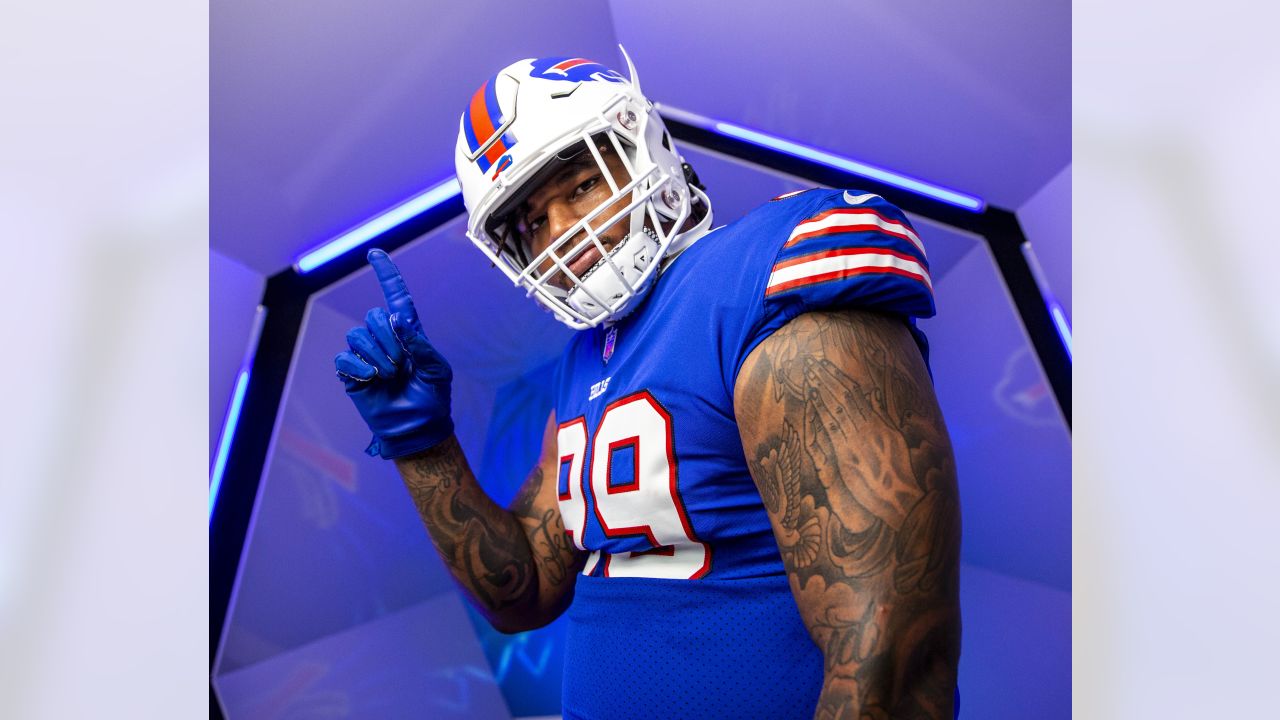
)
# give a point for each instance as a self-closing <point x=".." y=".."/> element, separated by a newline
<point x="393" y="287"/>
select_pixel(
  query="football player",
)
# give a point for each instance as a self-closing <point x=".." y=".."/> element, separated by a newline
<point x="746" y="499"/>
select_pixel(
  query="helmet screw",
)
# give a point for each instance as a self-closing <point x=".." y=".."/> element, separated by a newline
<point x="627" y="119"/>
<point x="671" y="198"/>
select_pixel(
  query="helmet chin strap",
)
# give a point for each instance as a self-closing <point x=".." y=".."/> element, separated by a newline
<point x="602" y="285"/>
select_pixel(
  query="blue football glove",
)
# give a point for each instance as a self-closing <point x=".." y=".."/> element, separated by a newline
<point x="397" y="380"/>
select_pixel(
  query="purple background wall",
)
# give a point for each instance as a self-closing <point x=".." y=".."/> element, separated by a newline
<point x="1016" y="661"/>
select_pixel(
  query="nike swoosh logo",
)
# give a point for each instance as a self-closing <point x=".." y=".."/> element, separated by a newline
<point x="858" y="199"/>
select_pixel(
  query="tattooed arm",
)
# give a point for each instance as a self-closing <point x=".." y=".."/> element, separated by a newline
<point x="517" y="564"/>
<point x="846" y="443"/>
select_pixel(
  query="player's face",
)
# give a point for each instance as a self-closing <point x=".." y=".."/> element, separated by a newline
<point x="567" y="197"/>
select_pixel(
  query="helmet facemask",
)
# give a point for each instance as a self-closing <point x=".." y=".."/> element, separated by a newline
<point x="597" y="269"/>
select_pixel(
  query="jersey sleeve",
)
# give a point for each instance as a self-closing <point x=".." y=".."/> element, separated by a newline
<point x="843" y="250"/>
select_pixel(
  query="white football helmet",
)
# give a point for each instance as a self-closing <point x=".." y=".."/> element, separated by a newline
<point x="527" y="120"/>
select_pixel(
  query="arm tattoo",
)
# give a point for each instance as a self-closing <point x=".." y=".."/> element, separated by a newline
<point x="482" y="546"/>
<point x="555" y="556"/>
<point x="845" y="440"/>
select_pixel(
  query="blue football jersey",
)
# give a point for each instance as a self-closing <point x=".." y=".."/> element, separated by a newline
<point x="683" y="609"/>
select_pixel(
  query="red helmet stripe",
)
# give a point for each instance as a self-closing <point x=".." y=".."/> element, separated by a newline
<point x="480" y="123"/>
<point x="482" y="126"/>
<point x="495" y="151"/>
<point x="567" y="64"/>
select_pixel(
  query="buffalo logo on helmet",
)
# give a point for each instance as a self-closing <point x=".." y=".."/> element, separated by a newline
<point x="573" y="70"/>
<point x="503" y="164"/>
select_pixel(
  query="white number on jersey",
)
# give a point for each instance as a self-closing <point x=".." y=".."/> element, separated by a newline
<point x="649" y="505"/>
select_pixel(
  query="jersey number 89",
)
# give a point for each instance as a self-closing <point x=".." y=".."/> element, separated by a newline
<point x="648" y="506"/>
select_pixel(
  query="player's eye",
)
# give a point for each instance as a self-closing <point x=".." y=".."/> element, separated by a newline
<point x="532" y="226"/>
<point x="586" y="186"/>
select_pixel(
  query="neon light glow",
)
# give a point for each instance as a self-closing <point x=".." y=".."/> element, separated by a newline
<point x="224" y="444"/>
<point x="919" y="187"/>
<point x="1064" y="328"/>
<point x="362" y="233"/>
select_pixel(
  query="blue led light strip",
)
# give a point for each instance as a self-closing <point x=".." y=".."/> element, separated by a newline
<point x="1064" y="327"/>
<point x="233" y="411"/>
<point x="919" y="187"/>
<point x="1055" y="310"/>
<point x="362" y="233"/>
<point x="228" y="432"/>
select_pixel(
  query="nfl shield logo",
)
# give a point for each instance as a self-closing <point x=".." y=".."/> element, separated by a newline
<point x="610" y="341"/>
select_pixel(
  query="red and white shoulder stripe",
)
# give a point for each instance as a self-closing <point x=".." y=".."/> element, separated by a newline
<point x="842" y="242"/>
<point x="855" y="219"/>
<point x="841" y="263"/>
